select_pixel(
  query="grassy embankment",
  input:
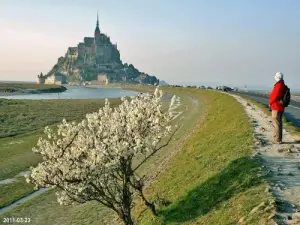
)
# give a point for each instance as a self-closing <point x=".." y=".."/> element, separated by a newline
<point x="208" y="175"/>
<point x="212" y="179"/>
<point x="21" y="123"/>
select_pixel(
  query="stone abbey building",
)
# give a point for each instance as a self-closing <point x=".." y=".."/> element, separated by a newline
<point x="93" y="57"/>
<point x="96" y="50"/>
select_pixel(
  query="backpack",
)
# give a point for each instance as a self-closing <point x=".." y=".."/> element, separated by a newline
<point x="286" y="97"/>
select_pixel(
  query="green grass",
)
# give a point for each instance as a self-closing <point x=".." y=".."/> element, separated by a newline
<point x="48" y="211"/>
<point x="10" y="193"/>
<point x="16" y="154"/>
<point x="11" y="87"/>
<point x="206" y="173"/>
<point x="213" y="179"/>
<point x="93" y="213"/>
<point x="22" y="116"/>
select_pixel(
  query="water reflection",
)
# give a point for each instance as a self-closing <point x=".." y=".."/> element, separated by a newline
<point x="79" y="92"/>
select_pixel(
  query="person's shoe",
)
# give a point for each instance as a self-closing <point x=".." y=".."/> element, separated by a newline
<point x="277" y="142"/>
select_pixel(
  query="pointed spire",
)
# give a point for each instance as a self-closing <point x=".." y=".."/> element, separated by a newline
<point x="97" y="30"/>
<point x="97" y="19"/>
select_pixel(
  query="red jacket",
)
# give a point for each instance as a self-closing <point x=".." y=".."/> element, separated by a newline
<point x="276" y="95"/>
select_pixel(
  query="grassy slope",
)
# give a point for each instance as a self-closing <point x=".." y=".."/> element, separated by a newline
<point x="212" y="180"/>
<point x="21" y="116"/>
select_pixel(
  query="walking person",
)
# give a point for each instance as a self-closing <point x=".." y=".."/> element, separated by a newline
<point x="277" y="107"/>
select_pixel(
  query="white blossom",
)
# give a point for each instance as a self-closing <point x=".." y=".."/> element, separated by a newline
<point x="83" y="159"/>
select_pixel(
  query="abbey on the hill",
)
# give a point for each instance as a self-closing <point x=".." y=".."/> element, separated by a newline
<point x="94" y="57"/>
<point x="96" y="50"/>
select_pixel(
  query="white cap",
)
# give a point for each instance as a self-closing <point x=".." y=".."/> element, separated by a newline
<point x="278" y="76"/>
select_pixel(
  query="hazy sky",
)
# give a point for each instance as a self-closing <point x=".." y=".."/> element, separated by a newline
<point x="232" y="42"/>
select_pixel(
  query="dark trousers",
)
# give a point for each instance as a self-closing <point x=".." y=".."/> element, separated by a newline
<point x="277" y="125"/>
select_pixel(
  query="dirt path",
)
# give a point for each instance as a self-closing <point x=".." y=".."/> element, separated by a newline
<point x="281" y="163"/>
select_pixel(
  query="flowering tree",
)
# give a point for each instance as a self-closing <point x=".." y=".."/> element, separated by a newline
<point x="93" y="160"/>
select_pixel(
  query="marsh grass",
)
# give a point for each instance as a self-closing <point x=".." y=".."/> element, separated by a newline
<point x="28" y="119"/>
<point x="16" y="152"/>
<point x="23" y="116"/>
<point x="10" y="193"/>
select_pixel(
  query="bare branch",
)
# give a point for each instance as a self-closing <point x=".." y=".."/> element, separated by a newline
<point x="69" y="144"/>
<point x="156" y="150"/>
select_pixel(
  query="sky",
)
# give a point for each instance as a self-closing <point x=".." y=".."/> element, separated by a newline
<point x="191" y="42"/>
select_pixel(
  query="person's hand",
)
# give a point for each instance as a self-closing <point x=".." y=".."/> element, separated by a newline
<point x="270" y="108"/>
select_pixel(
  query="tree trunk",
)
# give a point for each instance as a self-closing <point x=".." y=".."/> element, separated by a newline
<point x="138" y="185"/>
<point x="148" y="204"/>
<point x="127" y="195"/>
<point x="127" y="205"/>
<point x="126" y="217"/>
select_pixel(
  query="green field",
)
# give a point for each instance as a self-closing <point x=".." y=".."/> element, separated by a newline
<point x="206" y="173"/>
<point x="9" y="193"/>
<point x="23" y="121"/>
<point x="23" y="116"/>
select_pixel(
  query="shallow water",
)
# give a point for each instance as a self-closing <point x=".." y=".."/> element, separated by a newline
<point x="34" y="194"/>
<point x="7" y="181"/>
<point x="78" y="92"/>
<point x="10" y="180"/>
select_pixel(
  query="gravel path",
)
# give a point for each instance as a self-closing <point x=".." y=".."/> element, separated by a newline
<point x="281" y="164"/>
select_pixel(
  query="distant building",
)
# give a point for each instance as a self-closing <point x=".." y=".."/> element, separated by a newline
<point x="56" y="78"/>
<point x="97" y="49"/>
<point x="102" y="78"/>
<point x="40" y="78"/>
<point x="72" y="52"/>
<point x="163" y="83"/>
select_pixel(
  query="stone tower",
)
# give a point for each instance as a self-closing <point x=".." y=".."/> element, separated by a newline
<point x="97" y="30"/>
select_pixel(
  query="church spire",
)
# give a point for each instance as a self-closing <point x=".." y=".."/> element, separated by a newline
<point x="97" y="20"/>
<point x="97" y="30"/>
